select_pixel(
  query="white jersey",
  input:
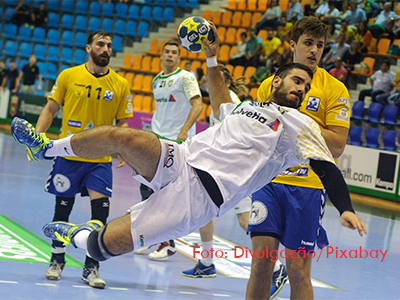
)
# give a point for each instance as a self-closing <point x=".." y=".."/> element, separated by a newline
<point x="172" y="94"/>
<point x="268" y="139"/>
<point x="235" y="99"/>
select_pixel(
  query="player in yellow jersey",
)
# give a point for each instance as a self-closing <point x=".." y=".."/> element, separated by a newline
<point x="91" y="95"/>
<point x="295" y="200"/>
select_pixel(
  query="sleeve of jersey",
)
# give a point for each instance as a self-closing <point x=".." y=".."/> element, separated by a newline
<point x="335" y="186"/>
<point x="125" y="109"/>
<point x="226" y="109"/>
<point x="190" y="86"/>
<point x="338" y="110"/>
<point x="59" y="88"/>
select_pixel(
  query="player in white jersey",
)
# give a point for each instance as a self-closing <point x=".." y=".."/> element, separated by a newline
<point x="199" y="179"/>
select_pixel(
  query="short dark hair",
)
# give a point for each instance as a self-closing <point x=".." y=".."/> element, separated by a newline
<point x="283" y="71"/>
<point x="310" y="26"/>
<point x="386" y="61"/>
<point x="171" y="43"/>
<point x="100" y="33"/>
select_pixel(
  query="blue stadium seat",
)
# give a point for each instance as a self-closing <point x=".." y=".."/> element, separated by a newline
<point x="94" y="23"/>
<point x="52" y="54"/>
<point x="24" y="33"/>
<point x="53" y="37"/>
<point x="10" y="48"/>
<point x="40" y="51"/>
<point x="66" y="55"/>
<point x="53" y="19"/>
<point x="170" y="3"/>
<point x="12" y="3"/>
<point x="9" y="13"/>
<point x="355" y="135"/>
<point x="22" y="63"/>
<point x="119" y="27"/>
<point x="81" y="7"/>
<point x="143" y="29"/>
<point x="39" y="35"/>
<point x="168" y="14"/>
<point x="51" y="70"/>
<point x="53" y="5"/>
<point x="182" y="3"/>
<point x="193" y="3"/>
<point x="121" y="9"/>
<point x="79" y="56"/>
<point x="80" y="39"/>
<point x="131" y="27"/>
<point x="64" y="67"/>
<point x="133" y="13"/>
<point x="107" y="9"/>
<point x="117" y="43"/>
<point x="37" y="2"/>
<point x="389" y="140"/>
<point x="107" y="25"/>
<point x="67" y="38"/>
<point x="80" y="23"/>
<point x="95" y="8"/>
<point x="157" y="13"/>
<point x="390" y="114"/>
<point x="42" y="69"/>
<point x="67" y="21"/>
<point x="10" y="31"/>
<point x="145" y="13"/>
<point x="372" y="137"/>
<point x="1" y="45"/>
<point x="357" y="111"/>
<point x="25" y="49"/>
<point x="1" y="11"/>
<point x="374" y="111"/>
<point x="67" y="6"/>
<point x="37" y="92"/>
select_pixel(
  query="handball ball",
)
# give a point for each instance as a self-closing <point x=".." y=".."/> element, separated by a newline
<point x="191" y="33"/>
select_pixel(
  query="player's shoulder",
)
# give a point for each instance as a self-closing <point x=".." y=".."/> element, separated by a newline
<point x="326" y="81"/>
<point x="115" y="76"/>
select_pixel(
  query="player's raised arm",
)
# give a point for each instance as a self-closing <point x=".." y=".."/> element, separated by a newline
<point x="336" y="187"/>
<point x="217" y="88"/>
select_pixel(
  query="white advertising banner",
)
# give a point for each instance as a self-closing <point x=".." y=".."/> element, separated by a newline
<point x="373" y="169"/>
<point x="4" y="96"/>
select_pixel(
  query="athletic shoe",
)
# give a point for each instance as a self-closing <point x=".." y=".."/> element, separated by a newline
<point x="142" y="250"/>
<point x="54" y="270"/>
<point x="279" y="279"/>
<point x="65" y="232"/>
<point x="201" y="271"/>
<point x="163" y="251"/>
<point x="91" y="276"/>
<point x="37" y="143"/>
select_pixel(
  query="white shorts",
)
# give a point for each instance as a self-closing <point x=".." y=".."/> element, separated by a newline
<point x="243" y="206"/>
<point x="180" y="204"/>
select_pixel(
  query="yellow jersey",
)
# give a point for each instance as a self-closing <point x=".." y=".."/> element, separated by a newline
<point x="327" y="103"/>
<point x="88" y="101"/>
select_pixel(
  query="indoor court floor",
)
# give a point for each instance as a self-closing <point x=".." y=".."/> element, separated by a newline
<point x="24" y="250"/>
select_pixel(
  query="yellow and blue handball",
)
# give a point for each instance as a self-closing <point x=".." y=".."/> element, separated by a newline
<point x="191" y="33"/>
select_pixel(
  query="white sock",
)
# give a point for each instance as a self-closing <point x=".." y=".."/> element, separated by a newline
<point x="207" y="246"/>
<point x="277" y="265"/>
<point x="80" y="239"/>
<point x="61" y="147"/>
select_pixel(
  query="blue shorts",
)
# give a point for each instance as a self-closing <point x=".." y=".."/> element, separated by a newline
<point x="291" y="214"/>
<point x="69" y="178"/>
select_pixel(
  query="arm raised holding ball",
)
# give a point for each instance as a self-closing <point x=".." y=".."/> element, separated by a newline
<point x="217" y="86"/>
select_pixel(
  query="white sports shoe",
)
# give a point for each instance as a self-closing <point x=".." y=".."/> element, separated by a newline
<point x="142" y="250"/>
<point x="166" y="249"/>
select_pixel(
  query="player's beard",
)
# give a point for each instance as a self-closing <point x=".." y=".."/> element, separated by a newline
<point x="281" y="97"/>
<point x="99" y="60"/>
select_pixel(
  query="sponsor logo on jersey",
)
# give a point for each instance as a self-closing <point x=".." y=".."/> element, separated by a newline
<point x="257" y="116"/>
<point x="162" y="99"/>
<point x="313" y="103"/>
<point x="61" y="183"/>
<point x="171" y="99"/>
<point x="129" y="108"/>
<point x="77" y="84"/>
<point x="76" y="124"/>
<point x="169" y="156"/>
<point x="344" y="100"/>
<point x="128" y="98"/>
<point x="307" y="243"/>
<point x="258" y="213"/>
<point x="343" y="115"/>
<point x="300" y="172"/>
<point x="78" y="93"/>
<point x="108" y="95"/>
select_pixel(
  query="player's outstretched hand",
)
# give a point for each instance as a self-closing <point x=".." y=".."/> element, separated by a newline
<point x="352" y="221"/>
<point x="121" y="162"/>
<point x="211" y="49"/>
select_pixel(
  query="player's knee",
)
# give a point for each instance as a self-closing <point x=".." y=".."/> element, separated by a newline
<point x="96" y="246"/>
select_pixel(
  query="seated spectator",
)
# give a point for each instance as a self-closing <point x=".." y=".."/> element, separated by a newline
<point x="371" y="8"/>
<point x="278" y="62"/>
<point x="338" y="71"/>
<point x="322" y="8"/>
<point x="284" y="47"/>
<point x="392" y="97"/>
<point x="355" y="15"/>
<point x="269" y="49"/>
<point x="381" y="82"/>
<point x="338" y="49"/>
<point x="309" y="9"/>
<point x="21" y="15"/>
<point x="348" y="31"/>
<point x="364" y="37"/>
<point x="384" y="22"/>
<point x="253" y="49"/>
<point x="294" y="11"/>
<point x="29" y="73"/>
<point x="343" y="13"/>
<point x="239" y="57"/>
<point x="285" y="27"/>
<point x="39" y="16"/>
<point x="352" y="56"/>
<point x="271" y="17"/>
<point x="332" y="13"/>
